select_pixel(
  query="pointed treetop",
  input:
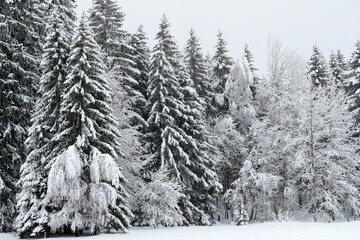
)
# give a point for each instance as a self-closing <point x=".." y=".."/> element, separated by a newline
<point x="317" y="68"/>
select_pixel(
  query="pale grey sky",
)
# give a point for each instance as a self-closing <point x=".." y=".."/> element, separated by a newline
<point x="332" y="24"/>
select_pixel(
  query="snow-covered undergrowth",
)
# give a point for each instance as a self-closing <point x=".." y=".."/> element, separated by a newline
<point x="265" y="231"/>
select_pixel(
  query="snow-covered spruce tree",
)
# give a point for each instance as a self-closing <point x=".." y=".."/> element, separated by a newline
<point x="353" y="86"/>
<point x="171" y="50"/>
<point x="141" y="52"/>
<point x="204" y="187"/>
<point x="317" y="68"/>
<point x="127" y="60"/>
<point x="327" y="158"/>
<point x="19" y="48"/>
<point x="221" y="65"/>
<point x="196" y="66"/>
<point x="32" y="218"/>
<point x="250" y="59"/>
<point x="338" y="68"/>
<point x="85" y="184"/>
<point x="132" y="131"/>
<point x="171" y="141"/>
<point x="163" y="136"/>
<point x="66" y="11"/>
<point x="106" y="20"/>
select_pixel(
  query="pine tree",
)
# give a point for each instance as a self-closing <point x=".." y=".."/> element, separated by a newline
<point x="221" y="64"/>
<point x="317" y="68"/>
<point x="87" y="144"/>
<point x="32" y="218"/>
<point x="19" y="48"/>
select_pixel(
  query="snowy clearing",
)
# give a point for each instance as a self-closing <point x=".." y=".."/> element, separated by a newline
<point x="266" y="231"/>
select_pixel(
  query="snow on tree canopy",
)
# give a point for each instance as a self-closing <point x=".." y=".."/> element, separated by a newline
<point x="88" y="133"/>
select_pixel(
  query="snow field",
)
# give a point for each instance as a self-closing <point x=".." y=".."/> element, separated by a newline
<point x="259" y="231"/>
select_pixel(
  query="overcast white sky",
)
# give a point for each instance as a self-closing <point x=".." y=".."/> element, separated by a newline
<point x="332" y="24"/>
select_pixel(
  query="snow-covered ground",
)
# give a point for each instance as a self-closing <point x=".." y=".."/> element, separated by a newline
<point x="265" y="231"/>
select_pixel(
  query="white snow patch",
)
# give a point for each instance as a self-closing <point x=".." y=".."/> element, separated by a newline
<point x="259" y="231"/>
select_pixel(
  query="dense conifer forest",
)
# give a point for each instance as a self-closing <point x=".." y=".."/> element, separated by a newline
<point x="100" y="132"/>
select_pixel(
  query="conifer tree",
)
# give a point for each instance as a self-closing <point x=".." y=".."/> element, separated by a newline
<point x="337" y="68"/>
<point x="67" y="14"/>
<point x="353" y="86"/>
<point x="172" y="137"/>
<point x="163" y="136"/>
<point x="208" y="69"/>
<point x="250" y="59"/>
<point x="317" y="68"/>
<point x="141" y="54"/>
<point x="196" y="66"/>
<point x="195" y="63"/>
<point x="106" y="20"/>
<point x="87" y="146"/>
<point x="205" y="187"/>
<point x="32" y="218"/>
<point x="221" y="64"/>
<point x="19" y="49"/>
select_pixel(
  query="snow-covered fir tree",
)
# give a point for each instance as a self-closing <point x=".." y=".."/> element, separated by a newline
<point x="338" y="68"/>
<point x="127" y="59"/>
<point x="205" y="186"/>
<point x="317" y="68"/>
<point x="106" y="20"/>
<point x="141" y="54"/>
<point x="88" y="193"/>
<point x="208" y="68"/>
<point x="353" y="86"/>
<point x="163" y="136"/>
<point x="66" y="11"/>
<point x="20" y="47"/>
<point x="32" y="218"/>
<point x="196" y="65"/>
<point x="173" y="139"/>
<point x="222" y="63"/>
<point x="250" y="59"/>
